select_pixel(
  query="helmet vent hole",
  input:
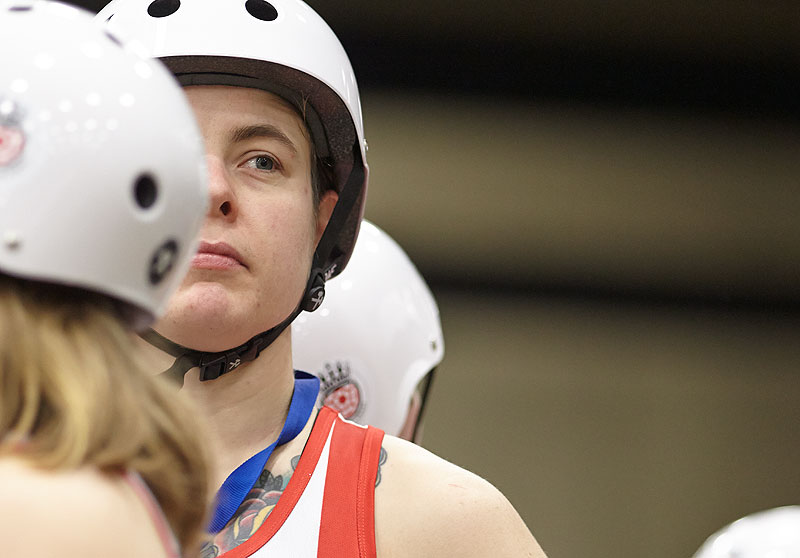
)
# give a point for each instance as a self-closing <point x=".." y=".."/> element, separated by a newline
<point x="145" y="191"/>
<point x="163" y="8"/>
<point x="261" y="9"/>
<point x="20" y="8"/>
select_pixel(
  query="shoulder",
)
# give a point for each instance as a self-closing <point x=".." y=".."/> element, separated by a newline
<point x="71" y="513"/>
<point x="443" y="510"/>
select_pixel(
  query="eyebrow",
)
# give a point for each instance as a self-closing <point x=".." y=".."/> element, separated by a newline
<point x="269" y="131"/>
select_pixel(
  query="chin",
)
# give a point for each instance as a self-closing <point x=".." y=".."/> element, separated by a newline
<point x="203" y="317"/>
<point x="201" y="335"/>
<point x="208" y="317"/>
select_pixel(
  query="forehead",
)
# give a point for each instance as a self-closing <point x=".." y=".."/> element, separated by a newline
<point x="223" y="110"/>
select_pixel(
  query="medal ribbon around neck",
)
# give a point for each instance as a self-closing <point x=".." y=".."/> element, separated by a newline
<point x="238" y="484"/>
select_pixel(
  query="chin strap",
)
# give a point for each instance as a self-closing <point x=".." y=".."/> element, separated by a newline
<point x="214" y="365"/>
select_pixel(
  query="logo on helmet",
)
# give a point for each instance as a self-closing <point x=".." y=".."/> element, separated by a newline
<point x="340" y="391"/>
<point x="318" y="295"/>
<point x="330" y="271"/>
<point x="12" y="140"/>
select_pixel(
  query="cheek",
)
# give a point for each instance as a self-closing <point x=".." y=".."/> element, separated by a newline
<point x="287" y="229"/>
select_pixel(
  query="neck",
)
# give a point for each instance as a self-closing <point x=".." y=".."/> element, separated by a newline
<point x="244" y="410"/>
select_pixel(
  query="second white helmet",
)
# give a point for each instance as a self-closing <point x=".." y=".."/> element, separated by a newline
<point x="375" y="337"/>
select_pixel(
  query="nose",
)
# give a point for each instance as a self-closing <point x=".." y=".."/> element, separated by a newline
<point x="222" y="196"/>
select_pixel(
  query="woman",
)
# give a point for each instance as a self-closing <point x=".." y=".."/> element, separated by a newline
<point x="97" y="227"/>
<point x="276" y="99"/>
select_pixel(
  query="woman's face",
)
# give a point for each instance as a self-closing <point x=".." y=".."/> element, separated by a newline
<point x="261" y="230"/>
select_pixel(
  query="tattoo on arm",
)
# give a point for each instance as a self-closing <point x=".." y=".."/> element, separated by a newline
<point x="381" y="461"/>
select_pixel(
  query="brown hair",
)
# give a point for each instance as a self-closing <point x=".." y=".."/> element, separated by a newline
<point x="322" y="174"/>
<point x="73" y="392"/>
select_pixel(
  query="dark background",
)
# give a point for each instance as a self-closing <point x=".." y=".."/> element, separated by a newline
<point x="604" y="197"/>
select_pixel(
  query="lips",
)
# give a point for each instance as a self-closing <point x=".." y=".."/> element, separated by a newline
<point x="217" y="255"/>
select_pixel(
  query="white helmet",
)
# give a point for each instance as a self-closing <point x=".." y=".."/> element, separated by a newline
<point x="773" y="533"/>
<point x="284" y="47"/>
<point x="376" y="335"/>
<point x="102" y="169"/>
<point x="281" y="46"/>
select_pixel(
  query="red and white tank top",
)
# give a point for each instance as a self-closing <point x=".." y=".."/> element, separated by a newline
<point x="327" y="510"/>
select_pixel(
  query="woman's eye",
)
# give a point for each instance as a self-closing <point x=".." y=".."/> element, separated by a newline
<point x="262" y="162"/>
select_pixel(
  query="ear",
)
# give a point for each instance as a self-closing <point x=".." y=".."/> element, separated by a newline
<point x="324" y="212"/>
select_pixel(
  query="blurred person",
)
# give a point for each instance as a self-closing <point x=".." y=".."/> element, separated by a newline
<point x="376" y="340"/>
<point x="98" y="215"/>
<point x="773" y="533"/>
<point x="277" y="101"/>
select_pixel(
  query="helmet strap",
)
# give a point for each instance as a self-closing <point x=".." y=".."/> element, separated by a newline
<point x="212" y="365"/>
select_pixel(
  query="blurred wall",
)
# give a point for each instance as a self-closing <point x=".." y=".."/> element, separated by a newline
<point x="604" y="197"/>
<point x="652" y="202"/>
<point x="619" y="429"/>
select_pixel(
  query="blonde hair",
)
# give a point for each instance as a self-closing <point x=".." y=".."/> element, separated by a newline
<point x="73" y="392"/>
